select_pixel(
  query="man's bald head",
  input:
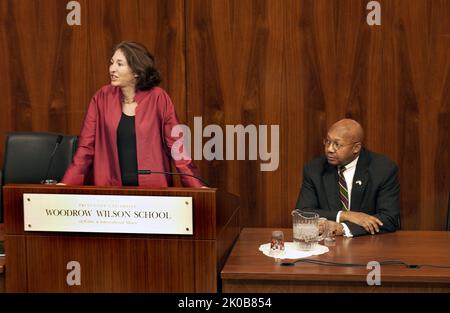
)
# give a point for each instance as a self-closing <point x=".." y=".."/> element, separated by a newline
<point x="349" y="129"/>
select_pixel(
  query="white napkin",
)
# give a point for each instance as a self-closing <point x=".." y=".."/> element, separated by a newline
<point x="291" y="252"/>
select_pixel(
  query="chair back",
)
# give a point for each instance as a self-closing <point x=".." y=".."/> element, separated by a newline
<point x="28" y="157"/>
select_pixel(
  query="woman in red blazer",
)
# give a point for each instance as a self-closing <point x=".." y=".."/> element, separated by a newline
<point x="127" y="128"/>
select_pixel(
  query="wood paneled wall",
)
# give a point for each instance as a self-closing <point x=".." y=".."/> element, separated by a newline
<point x="300" y="64"/>
<point x="51" y="70"/>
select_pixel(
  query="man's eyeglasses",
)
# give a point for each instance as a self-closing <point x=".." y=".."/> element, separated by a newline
<point x="336" y="146"/>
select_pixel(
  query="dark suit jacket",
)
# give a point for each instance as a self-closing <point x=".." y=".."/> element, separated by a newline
<point x="378" y="194"/>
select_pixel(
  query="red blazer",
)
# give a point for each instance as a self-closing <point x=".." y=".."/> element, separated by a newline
<point x="97" y="146"/>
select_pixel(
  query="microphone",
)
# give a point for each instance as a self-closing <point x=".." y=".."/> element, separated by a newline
<point x="148" y="172"/>
<point x="50" y="162"/>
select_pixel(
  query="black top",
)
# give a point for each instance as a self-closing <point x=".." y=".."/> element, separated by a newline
<point x="126" y="146"/>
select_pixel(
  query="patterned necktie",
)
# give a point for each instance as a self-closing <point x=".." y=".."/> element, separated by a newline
<point x="343" y="192"/>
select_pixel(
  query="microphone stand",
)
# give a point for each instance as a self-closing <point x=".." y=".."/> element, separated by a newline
<point x="50" y="163"/>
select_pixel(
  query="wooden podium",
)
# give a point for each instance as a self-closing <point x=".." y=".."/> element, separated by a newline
<point x="37" y="261"/>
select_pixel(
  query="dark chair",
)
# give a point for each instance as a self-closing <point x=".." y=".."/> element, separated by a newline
<point x="31" y="157"/>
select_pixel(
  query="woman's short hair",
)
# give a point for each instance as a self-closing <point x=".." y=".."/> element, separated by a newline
<point x="142" y="63"/>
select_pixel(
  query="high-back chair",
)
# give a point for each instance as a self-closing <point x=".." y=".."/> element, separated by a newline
<point x="32" y="157"/>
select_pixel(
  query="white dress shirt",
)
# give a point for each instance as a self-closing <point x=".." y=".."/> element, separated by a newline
<point x="348" y="175"/>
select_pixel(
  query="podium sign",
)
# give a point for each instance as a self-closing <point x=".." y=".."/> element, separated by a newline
<point x="108" y="214"/>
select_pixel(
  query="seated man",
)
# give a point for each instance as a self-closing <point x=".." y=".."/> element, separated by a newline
<point x="353" y="186"/>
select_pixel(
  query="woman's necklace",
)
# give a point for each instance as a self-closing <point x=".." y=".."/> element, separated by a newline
<point x="127" y="101"/>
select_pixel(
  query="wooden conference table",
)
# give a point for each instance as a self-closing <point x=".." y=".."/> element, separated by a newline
<point x="249" y="270"/>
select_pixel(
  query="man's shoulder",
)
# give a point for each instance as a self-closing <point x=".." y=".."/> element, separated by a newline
<point x="317" y="164"/>
<point x="380" y="161"/>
